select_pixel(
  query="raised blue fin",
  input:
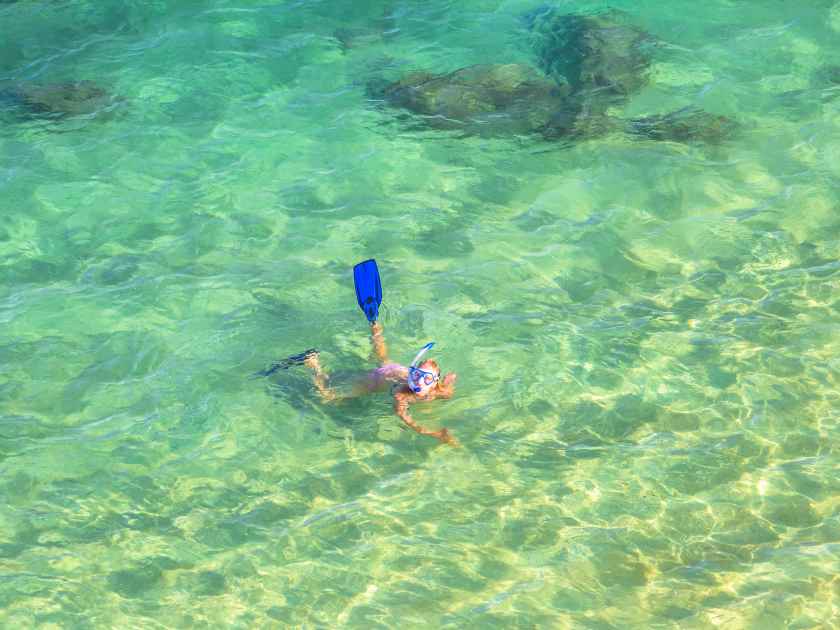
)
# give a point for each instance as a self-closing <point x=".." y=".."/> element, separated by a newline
<point x="368" y="288"/>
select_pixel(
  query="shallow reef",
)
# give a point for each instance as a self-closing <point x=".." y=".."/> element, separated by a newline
<point x="493" y="99"/>
<point x="59" y="100"/>
<point x="588" y="65"/>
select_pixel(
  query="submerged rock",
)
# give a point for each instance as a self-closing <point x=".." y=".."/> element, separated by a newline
<point x="495" y="100"/>
<point x="685" y="125"/>
<point x="60" y="100"/>
<point x="589" y="64"/>
<point x="599" y="57"/>
<point x="65" y="99"/>
<point x="491" y="99"/>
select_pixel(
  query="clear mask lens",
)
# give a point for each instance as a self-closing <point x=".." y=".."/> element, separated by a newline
<point x="420" y="377"/>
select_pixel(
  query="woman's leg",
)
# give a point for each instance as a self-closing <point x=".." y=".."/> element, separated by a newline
<point x="378" y="342"/>
<point x="320" y="378"/>
<point x="362" y="385"/>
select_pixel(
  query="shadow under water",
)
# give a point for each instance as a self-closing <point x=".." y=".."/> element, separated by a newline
<point x="295" y="388"/>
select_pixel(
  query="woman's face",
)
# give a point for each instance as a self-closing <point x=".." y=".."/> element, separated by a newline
<point x="423" y="378"/>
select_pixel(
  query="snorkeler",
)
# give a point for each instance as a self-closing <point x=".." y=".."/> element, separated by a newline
<point x="419" y="382"/>
<point x="416" y="383"/>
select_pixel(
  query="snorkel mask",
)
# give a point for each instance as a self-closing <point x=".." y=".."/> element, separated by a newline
<point x="421" y="381"/>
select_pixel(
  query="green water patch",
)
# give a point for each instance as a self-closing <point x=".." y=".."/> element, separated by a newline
<point x="644" y="331"/>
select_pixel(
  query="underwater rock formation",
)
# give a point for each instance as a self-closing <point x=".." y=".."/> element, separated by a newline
<point x="598" y="56"/>
<point x="491" y="99"/>
<point x="684" y="125"/>
<point x="590" y="64"/>
<point x="59" y="100"/>
<point x="495" y="100"/>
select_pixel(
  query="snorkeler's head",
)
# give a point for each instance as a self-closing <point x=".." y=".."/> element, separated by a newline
<point x="423" y="377"/>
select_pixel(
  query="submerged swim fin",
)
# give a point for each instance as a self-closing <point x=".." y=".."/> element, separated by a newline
<point x="285" y="364"/>
<point x="368" y="288"/>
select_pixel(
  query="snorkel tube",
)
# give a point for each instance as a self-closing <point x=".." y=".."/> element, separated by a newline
<point x="420" y="381"/>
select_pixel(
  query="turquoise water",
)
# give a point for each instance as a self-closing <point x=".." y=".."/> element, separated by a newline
<point x="646" y="334"/>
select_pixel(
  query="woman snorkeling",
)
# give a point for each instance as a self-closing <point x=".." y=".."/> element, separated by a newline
<point x="418" y="382"/>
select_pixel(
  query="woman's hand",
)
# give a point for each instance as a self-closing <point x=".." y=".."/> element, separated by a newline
<point x="449" y="379"/>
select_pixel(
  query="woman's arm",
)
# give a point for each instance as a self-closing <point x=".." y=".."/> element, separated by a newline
<point x="401" y="409"/>
<point x="378" y="342"/>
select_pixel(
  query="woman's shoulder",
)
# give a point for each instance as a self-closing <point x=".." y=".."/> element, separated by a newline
<point x="392" y="368"/>
<point x="404" y="394"/>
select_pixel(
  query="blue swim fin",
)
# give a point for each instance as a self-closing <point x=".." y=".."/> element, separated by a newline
<point x="368" y="288"/>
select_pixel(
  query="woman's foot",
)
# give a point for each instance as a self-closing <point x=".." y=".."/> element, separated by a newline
<point x="299" y="359"/>
<point x="313" y="362"/>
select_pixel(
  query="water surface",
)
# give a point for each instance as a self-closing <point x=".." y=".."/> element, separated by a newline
<point x="645" y="333"/>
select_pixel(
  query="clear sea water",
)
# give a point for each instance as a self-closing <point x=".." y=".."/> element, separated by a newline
<point x="646" y="334"/>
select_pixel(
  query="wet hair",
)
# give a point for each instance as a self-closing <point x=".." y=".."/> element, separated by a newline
<point x="432" y="363"/>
